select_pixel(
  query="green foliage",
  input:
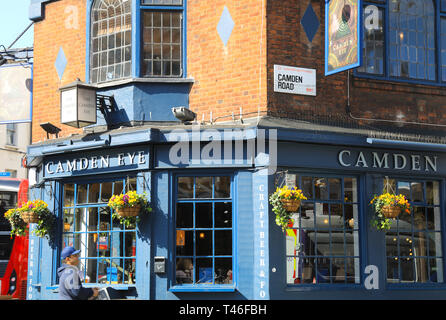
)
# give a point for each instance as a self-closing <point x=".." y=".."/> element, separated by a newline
<point x="18" y="226"/>
<point x="282" y="216"/>
<point x="45" y="225"/>
<point x="381" y="223"/>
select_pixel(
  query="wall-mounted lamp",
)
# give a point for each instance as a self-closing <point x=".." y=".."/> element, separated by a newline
<point x="50" y="129"/>
<point x="78" y="104"/>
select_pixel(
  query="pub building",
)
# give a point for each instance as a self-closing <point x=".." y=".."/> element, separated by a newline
<point x="211" y="233"/>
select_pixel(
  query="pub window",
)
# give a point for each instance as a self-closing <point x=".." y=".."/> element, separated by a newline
<point x="414" y="242"/>
<point x="111" y="40"/>
<point x="322" y="241"/>
<point x="408" y="42"/>
<point x="204" y="231"/>
<point x="161" y="38"/>
<point x="108" y="248"/>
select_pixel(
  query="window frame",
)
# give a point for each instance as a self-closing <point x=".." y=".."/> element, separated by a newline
<point x="11" y="131"/>
<point x="362" y="249"/>
<point x="136" y="41"/>
<point x="173" y="287"/>
<point x="442" y="193"/>
<point x="384" y="5"/>
<point x="57" y="262"/>
<point x="90" y="53"/>
<point x="164" y="8"/>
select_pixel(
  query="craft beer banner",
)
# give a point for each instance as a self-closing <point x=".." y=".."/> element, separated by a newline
<point x="342" y="35"/>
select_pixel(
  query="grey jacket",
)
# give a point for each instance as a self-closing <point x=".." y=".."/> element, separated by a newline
<point x="70" y="284"/>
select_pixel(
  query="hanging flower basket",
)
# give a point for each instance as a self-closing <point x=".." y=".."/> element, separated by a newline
<point x="388" y="206"/>
<point x="31" y="212"/>
<point x="284" y="202"/>
<point x="128" y="207"/>
<point x="390" y="211"/>
<point x="290" y="205"/>
<point x="29" y="216"/>
<point x="129" y="211"/>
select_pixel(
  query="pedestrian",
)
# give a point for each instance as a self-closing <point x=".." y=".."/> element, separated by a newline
<point x="70" y="284"/>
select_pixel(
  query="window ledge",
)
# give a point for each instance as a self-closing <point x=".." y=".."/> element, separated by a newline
<point x="142" y="80"/>
<point x="96" y="285"/>
<point x="403" y="85"/>
<point x="416" y="286"/>
<point x="202" y="288"/>
<point x="11" y="147"/>
<point x="323" y="287"/>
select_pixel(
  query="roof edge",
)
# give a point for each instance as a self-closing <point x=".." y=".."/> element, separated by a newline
<point x="36" y="10"/>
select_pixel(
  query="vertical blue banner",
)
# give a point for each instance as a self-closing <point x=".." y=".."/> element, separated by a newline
<point x="342" y="35"/>
<point x="33" y="260"/>
<point x="261" y="251"/>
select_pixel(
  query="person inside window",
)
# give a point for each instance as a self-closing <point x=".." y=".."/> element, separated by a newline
<point x="70" y="283"/>
<point x="184" y="271"/>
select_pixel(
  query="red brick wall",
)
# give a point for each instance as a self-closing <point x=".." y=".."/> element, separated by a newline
<point x="239" y="75"/>
<point x="64" y="26"/>
<point x="232" y="77"/>
<point x="289" y="45"/>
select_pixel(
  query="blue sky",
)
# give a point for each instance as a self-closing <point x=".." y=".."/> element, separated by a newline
<point x="13" y="21"/>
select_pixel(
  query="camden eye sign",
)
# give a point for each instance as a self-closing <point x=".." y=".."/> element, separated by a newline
<point x="294" y="80"/>
<point x="94" y="162"/>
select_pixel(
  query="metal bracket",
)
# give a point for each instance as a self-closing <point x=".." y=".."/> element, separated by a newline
<point x="105" y="104"/>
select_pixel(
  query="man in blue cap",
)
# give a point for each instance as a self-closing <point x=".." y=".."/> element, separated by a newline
<point x="70" y="284"/>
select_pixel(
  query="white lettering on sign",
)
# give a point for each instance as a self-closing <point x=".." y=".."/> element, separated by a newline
<point x="261" y="228"/>
<point x="94" y="162"/>
<point x="396" y="161"/>
<point x="294" y="80"/>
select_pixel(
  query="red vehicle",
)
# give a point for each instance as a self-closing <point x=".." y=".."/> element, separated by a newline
<point x="13" y="250"/>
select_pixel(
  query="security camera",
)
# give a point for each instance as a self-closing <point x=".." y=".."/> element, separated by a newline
<point x="183" y="114"/>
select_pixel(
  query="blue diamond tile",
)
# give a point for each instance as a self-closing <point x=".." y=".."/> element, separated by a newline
<point x="225" y="26"/>
<point x="61" y="63"/>
<point x="310" y="22"/>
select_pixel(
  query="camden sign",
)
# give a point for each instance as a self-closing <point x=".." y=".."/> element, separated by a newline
<point x="94" y="162"/>
<point x="388" y="160"/>
<point x="361" y="159"/>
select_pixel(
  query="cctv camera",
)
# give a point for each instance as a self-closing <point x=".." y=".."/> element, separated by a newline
<point x="183" y="114"/>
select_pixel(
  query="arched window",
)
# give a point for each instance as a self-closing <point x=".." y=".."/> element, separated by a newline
<point x="111" y="40"/>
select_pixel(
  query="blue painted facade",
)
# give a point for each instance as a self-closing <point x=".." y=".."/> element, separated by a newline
<point x="259" y="245"/>
<point x="259" y="248"/>
<point x="155" y="232"/>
